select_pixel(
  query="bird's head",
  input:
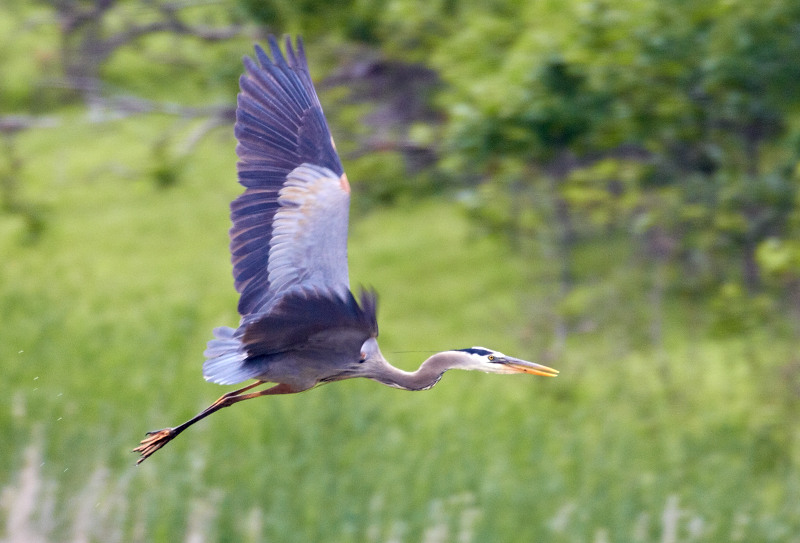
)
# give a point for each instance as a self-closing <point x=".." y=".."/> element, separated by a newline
<point x="489" y="361"/>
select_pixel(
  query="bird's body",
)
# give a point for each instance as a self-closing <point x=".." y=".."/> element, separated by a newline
<point x="300" y="325"/>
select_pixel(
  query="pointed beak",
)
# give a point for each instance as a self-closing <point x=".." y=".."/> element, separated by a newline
<point x="515" y="365"/>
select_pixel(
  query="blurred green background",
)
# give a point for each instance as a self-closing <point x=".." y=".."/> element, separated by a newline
<point x="610" y="188"/>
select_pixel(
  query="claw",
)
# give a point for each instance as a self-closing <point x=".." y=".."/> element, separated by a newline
<point x="155" y="441"/>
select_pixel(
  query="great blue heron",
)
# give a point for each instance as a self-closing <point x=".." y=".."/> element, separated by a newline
<point x="300" y="324"/>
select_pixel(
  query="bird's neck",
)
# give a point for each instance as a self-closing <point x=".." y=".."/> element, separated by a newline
<point x="424" y="378"/>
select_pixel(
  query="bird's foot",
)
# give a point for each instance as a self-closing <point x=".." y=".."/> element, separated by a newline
<point x="154" y="441"/>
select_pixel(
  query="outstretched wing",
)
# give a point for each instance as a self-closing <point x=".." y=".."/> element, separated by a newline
<point x="290" y="224"/>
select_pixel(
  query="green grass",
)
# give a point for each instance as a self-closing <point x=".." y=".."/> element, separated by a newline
<point x="106" y="317"/>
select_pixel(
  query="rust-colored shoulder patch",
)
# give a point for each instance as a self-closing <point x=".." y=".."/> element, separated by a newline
<point x="344" y="183"/>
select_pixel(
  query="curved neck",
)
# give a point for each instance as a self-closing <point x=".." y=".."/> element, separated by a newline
<point x="424" y="378"/>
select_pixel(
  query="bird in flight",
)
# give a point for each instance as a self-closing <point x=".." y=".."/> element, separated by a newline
<point x="300" y="324"/>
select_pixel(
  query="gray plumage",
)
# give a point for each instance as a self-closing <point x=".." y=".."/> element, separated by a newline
<point x="300" y="324"/>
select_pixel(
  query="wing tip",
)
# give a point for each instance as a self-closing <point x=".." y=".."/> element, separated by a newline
<point x="294" y="53"/>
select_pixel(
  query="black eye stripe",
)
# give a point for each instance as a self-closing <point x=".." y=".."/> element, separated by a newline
<point x="477" y="350"/>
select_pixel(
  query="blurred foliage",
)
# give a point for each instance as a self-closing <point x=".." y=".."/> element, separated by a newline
<point x="675" y="123"/>
<point x="13" y="200"/>
<point x="355" y="20"/>
<point x="695" y="98"/>
<point x="640" y="157"/>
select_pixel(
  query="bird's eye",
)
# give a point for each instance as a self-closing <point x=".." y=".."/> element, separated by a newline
<point x="363" y="357"/>
<point x="491" y="358"/>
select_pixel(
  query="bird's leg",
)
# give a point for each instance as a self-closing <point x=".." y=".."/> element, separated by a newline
<point x="157" y="439"/>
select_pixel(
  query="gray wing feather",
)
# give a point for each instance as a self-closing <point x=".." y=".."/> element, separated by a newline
<point x="284" y="142"/>
<point x="309" y="232"/>
<point x="289" y="234"/>
<point x="340" y="323"/>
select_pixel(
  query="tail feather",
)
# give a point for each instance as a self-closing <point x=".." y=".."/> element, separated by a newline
<point x="225" y="359"/>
